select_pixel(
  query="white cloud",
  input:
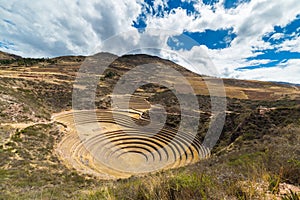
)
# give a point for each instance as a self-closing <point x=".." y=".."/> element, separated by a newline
<point x="60" y="27"/>
<point x="285" y="72"/>
<point x="292" y="45"/>
<point x="277" y="36"/>
<point x="250" y="22"/>
<point x="50" y="28"/>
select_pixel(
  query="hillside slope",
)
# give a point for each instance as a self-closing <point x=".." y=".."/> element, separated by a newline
<point x="257" y="155"/>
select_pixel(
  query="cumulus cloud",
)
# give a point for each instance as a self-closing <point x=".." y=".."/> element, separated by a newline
<point x="52" y="28"/>
<point x="250" y="22"/>
<point x="292" y="45"/>
<point x="284" y="72"/>
<point x="63" y="27"/>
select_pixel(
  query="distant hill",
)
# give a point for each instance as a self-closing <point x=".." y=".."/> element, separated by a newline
<point x="286" y="83"/>
<point x="7" y="56"/>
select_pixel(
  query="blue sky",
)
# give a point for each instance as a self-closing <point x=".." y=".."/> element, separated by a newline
<point x="246" y="39"/>
<point x="213" y="39"/>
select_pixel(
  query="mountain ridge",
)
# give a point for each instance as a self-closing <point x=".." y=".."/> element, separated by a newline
<point x="12" y="57"/>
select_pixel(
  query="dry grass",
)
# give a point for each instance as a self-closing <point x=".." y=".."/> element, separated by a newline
<point x="263" y="154"/>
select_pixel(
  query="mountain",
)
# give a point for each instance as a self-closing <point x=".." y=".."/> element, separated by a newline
<point x="51" y="139"/>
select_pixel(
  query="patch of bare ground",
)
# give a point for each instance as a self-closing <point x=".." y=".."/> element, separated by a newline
<point x="257" y="156"/>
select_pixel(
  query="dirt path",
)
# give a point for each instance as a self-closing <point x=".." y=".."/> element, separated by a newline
<point x="19" y="125"/>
